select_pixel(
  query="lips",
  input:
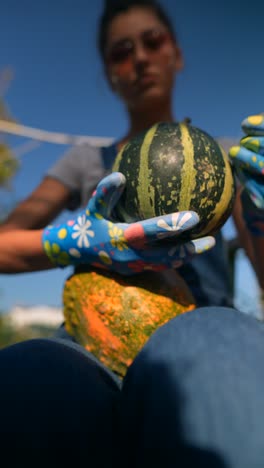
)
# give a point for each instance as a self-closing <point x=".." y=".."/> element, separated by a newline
<point x="146" y="80"/>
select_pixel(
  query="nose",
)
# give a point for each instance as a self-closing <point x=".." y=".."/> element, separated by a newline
<point x="141" y="55"/>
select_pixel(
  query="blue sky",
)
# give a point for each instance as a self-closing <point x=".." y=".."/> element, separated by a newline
<point x="59" y="86"/>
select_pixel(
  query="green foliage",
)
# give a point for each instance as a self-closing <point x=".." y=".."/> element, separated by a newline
<point x="11" y="335"/>
<point x="8" y="161"/>
<point x="8" y="165"/>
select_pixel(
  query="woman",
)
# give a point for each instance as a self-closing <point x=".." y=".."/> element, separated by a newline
<point x="142" y="59"/>
<point x="193" y="396"/>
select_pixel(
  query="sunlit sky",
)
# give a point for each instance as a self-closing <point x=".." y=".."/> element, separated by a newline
<point x="59" y="86"/>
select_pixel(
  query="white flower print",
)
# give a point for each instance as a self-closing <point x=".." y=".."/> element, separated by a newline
<point x="82" y="231"/>
<point x="176" y="224"/>
<point x="75" y="253"/>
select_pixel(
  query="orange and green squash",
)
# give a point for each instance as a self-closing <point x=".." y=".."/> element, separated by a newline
<point x="113" y="316"/>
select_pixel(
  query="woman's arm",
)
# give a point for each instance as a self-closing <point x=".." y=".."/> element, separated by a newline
<point x="253" y="246"/>
<point x="22" y="251"/>
<point x="92" y="239"/>
<point x="248" y="162"/>
<point x="39" y="208"/>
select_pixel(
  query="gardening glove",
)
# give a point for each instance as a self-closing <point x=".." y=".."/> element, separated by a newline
<point x="94" y="239"/>
<point x="248" y="162"/>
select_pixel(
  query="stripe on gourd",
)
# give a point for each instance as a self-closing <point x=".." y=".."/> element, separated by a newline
<point x="145" y="188"/>
<point x="188" y="173"/>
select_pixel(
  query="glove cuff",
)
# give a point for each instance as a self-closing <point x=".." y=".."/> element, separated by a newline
<point x="52" y="242"/>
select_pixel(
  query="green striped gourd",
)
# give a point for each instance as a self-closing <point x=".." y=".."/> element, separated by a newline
<point x="173" y="167"/>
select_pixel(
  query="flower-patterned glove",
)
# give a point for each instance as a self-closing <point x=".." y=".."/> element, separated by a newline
<point x="95" y="240"/>
<point x="248" y="161"/>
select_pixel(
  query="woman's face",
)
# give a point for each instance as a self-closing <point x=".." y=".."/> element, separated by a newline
<point x="141" y="58"/>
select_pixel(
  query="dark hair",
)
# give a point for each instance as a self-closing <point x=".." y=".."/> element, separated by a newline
<point x="115" y="7"/>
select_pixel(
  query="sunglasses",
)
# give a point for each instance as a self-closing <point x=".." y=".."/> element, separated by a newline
<point x="152" y="40"/>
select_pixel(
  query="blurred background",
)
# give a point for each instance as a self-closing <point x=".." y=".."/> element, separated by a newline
<point x="51" y="79"/>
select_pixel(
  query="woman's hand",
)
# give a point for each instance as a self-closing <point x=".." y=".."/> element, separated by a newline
<point x="248" y="162"/>
<point x="94" y="239"/>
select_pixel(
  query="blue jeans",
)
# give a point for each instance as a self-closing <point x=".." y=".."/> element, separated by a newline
<point x="194" y="396"/>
